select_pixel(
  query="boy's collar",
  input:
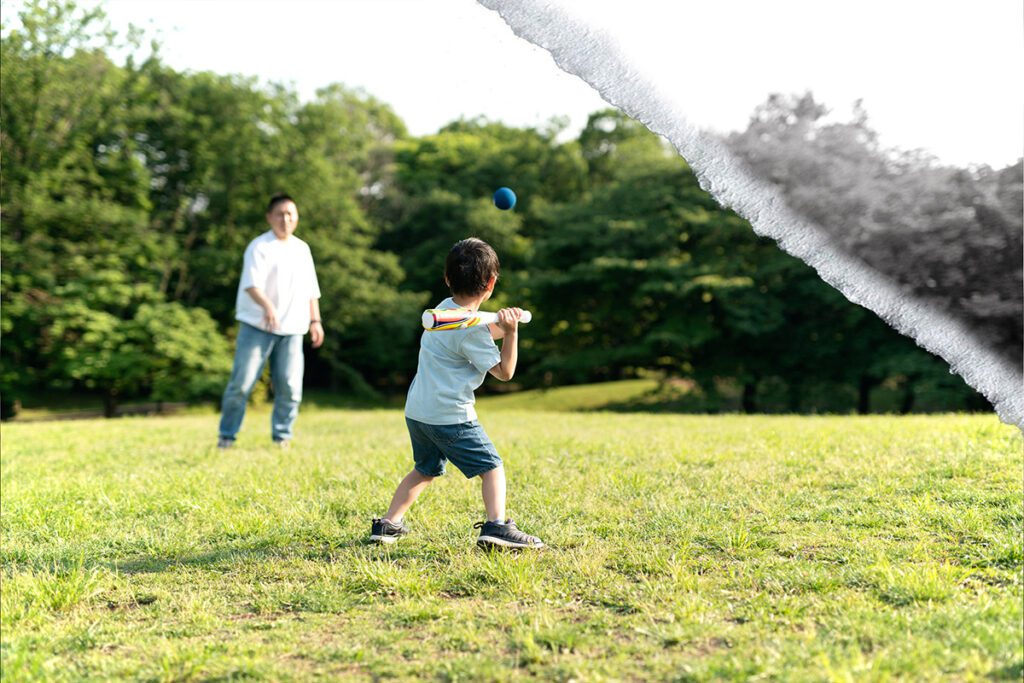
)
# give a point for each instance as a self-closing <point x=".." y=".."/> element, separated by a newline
<point x="472" y="306"/>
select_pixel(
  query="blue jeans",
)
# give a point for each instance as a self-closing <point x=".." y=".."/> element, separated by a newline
<point x="286" y="366"/>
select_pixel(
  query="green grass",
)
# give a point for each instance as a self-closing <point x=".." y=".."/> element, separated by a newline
<point x="682" y="548"/>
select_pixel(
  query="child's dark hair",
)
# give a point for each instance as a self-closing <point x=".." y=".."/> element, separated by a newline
<point x="470" y="265"/>
<point x="277" y="199"/>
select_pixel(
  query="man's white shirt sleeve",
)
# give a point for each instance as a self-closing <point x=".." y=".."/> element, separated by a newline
<point x="254" y="271"/>
<point x="314" y="286"/>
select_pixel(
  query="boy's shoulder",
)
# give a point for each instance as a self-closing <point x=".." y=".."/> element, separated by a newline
<point x="448" y="339"/>
<point x="447" y="303"/>
<point x="464" y="342"/>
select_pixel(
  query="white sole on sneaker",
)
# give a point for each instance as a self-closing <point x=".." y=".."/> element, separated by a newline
<point x="493" y="540"/>
<point x="383" y="539"/>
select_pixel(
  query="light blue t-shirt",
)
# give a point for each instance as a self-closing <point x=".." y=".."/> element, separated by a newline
<point x="452" y="364"/>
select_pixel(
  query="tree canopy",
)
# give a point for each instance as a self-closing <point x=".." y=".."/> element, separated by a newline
<point x="129" y="192"/>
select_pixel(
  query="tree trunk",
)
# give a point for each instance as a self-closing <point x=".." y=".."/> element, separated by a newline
<point x="793" y="396"/>
<point x="908" y="398"/>
<point x="9" y="408"/>
<point x="749" y="397"/>
<point x="109" y="404"/>
<point x="864" y="395"/>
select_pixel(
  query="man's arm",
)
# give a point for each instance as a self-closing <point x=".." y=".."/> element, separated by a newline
<point x="508" y="323"/>
<point x="316" y="327"/>
<point x="270" y="321"/>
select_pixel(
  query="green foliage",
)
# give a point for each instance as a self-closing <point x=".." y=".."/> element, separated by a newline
<point x="74" y="191"/>
<point x="442" y="193"/>
<point x="147" y="184"/>
<point x="615" y="146"/>
<point x="129" y="192"/>
<point x="952" y="237"/>
<point x="186" y="356"/>
<point x="104" y="333"/>
<point x="647" y="271"/>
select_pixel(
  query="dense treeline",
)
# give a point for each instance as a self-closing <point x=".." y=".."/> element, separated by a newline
<point x="129" y="192"/>
<point x="952" y="237"/>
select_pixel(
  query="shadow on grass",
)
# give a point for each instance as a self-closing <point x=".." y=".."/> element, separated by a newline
<point x="1010" y="672"/>
<point x="223" y="557"/>
<point x="214" y="557"/>
<point x="227" y="556"/>
<point x="678" y="396"/>
<point x="321" y="399"/>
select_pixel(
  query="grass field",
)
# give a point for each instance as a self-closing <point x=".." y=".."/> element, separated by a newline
<point x="681" y="548"/>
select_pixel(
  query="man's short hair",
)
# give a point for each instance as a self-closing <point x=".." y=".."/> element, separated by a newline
<point x="470" y="265"/>
<point x="279" y="198"/>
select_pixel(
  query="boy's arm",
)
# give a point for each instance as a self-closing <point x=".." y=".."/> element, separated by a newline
<point x="508" y="323"/>
<point x="496" y="332"/>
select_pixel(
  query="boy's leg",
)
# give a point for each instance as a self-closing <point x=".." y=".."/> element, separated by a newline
<point x="287" y="365"/>
<point x="406" y="494"/>
<point x="492" y="485"/>
<point x="390" y="528"/>
<point x="428" y="459"/>
<point x="472" y="452"/>
<point x="251" y="351"/>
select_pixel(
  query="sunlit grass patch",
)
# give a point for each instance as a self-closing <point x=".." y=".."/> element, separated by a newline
<point x="679" y="548"/>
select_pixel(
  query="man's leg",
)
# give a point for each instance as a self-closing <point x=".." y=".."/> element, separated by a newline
<point x="251" y="353"/>
<point x="286" y="367"/>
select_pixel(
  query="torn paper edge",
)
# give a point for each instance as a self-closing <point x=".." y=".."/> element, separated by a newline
<point x="593" y="56"/>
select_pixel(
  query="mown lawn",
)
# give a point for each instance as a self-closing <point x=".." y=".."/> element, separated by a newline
<point x="681" y="548"/>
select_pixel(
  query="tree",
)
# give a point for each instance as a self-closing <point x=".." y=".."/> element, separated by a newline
<point x="74" y="193"/>
<point x="952" y="237"/>
<point x="645" y="271"/>
<point x="440" y="192"/>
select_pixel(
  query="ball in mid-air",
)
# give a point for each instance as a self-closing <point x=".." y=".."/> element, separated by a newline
<point x="504" y="198"/>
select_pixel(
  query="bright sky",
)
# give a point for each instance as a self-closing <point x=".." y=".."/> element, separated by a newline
<point x="942" y="75"/>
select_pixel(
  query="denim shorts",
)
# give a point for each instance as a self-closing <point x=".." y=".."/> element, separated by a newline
<point x="466" y="445"/>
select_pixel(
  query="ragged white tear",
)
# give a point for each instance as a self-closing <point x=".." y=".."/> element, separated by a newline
<point x="594" y="57"/>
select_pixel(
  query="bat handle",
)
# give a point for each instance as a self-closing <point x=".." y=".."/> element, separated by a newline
<point x="492" y="318"/>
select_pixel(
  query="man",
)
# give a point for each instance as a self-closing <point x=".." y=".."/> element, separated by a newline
<point x="278" y="301"/>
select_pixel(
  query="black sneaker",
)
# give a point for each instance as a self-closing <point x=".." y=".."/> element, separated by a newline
<point x="507" y="535"/>
<point x="385" y="531"/>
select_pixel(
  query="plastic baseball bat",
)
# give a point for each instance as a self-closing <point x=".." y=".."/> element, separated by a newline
<point x="438" y="319"/>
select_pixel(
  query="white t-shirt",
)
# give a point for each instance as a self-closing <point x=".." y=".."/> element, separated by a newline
<point x="452" y="364"/>
<point x="283" y="270"/>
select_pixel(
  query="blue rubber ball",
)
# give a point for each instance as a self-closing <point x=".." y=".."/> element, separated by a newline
<point x="504" y="198"/>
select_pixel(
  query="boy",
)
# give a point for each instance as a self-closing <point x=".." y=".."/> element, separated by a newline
<point x="439" y="408"/>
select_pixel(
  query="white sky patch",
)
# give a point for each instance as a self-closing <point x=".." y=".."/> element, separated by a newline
<point x="943" y="75"/>
<point x="433" y="62"/>
<point x="946" y="76"/>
